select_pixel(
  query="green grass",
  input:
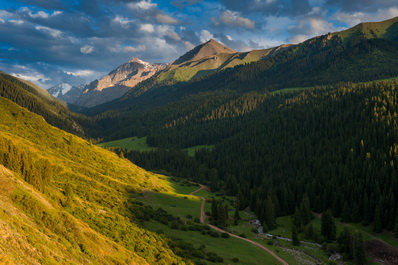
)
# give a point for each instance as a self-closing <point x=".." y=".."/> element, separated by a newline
<point x="192" y="150"/>
<point x="176" y="204"/>
<point x="131" y="143"/>
<point x="226" y="248"/>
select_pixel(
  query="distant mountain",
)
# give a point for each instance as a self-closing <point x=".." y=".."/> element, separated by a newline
<point x="59" y="89"/>
<point x="66" y="92"/>
<point x="210" y="57"/>
<point x="118" y="82"/>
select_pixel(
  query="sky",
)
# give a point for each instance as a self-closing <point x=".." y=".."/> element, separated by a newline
<point x="78" y="41"/>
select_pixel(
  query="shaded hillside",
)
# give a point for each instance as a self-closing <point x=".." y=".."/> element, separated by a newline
<point x="64" y="200"/>
<point x="40" y="102"/>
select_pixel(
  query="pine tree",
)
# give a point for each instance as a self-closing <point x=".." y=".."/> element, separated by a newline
<point x="214" y="210"/>
<point x="269" y="215"/>
<point x="396" y="227"/>
<point x="236" y="215"/>
<point x="295" y="239"/>
<point x="377" y="225"/>
<point x="346" y="215"/>
<point x="328" y="226"/>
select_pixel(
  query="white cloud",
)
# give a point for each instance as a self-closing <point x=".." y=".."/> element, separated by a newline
<point x="16" y="21"/>
<point x="34" y="77"/>
<point x="122" y="21"/>
<point x="354" y="18"/>
<point x="233" y="19"/>
<point x="5" y="14"/>
<point x="204" y="35"/>
<point x="49" y="31"/>
<point x="147" y="28"/>
<point x="168" y="31"/>
<point x="39" y="14"/>
<point x="125" y="49"/>
<point x="145" y="5"/>
<point x="188" y="45"/>
<point x="298" y="38"/>
<point x="163" y="18"/>
<point x="87" y="49"/>
<point x="81" y="73"/>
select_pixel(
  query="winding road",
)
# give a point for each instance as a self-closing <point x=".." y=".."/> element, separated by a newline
<point x="202" y="220"/>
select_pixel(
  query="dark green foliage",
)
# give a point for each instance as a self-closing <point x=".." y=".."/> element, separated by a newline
<point x="328" y="228"/>
<point x="295" y="239"/>
<point x="359" y="249"/>
<point x="38" y="173"/>
<point x="336" y="145"/>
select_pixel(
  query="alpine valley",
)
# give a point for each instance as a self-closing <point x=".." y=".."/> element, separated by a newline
<point x="285" y="155"/>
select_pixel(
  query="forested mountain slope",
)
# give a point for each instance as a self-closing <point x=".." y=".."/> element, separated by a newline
<point x="320" y="61"/>
<point x="40" y="102"/>
<point x="64" y="200"/>
<point x="338" y="145"/>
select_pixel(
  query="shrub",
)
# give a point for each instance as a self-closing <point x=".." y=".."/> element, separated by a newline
<point x="225" y="235"/>
<point x="235" y="260"/>
<point x="214" y="234"/>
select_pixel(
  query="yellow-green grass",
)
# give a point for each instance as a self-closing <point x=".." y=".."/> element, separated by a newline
<point x="93" y="222"/>
<point x="192" y="150"/>
<point x="226" y="248"/>
<point x="131" y="143"/>
<point x="176" y="204"/>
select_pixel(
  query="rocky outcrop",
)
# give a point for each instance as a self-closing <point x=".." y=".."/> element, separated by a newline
<point x="118" y="82"/>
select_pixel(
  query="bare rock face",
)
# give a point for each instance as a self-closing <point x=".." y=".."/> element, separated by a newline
<point x="118" y="82"/>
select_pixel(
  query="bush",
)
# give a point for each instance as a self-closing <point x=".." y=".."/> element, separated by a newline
<point x="242" y="235"/>
<point x="270" y="243"/>
<point x="235" y="260"/>
<point x="225" y="235"/>
<point x="214" y="234"/>
<point x="254" y="230"/>
<point x="189" y="216"/>
<point x="213" y="257"/>
<point x="196" y="220"/>
<point x="175" y="225"/>
<point x="183" y="228"/>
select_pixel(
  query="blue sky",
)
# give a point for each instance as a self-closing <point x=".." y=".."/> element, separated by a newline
<point x="77" y="41"/>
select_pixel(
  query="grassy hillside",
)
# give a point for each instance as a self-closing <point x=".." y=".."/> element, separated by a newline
<point x="387" y="29"/>
<point x="193" y="69"/>
<point x="64" y="200"/>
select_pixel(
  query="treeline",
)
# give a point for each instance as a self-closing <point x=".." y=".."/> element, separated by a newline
<point x="38" y="173"/>
<point x="338" y="146"/>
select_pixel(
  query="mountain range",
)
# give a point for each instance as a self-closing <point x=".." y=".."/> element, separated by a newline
<point x="302" y="138"/>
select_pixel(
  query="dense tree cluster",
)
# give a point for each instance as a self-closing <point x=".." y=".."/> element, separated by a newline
<point x="335" y="146"/>
<point x="38" y="173"/>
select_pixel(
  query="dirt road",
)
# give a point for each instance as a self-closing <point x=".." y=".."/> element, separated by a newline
<point x="202" y="220"/>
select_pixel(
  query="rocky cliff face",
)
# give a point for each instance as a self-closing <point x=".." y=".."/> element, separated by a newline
<point x="66" y="92"/>
<point x="118" y="82"/>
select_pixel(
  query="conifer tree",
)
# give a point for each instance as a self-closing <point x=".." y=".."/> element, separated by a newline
<point x="295" y="239"/>
<point x="328" y="226"/>
<point x="269" y="214"/>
